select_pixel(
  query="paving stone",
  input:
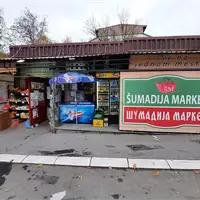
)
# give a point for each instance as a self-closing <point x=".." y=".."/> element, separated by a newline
<point x="73" y="161"/>
<point x="46" y="160"/>
<point x="184" y="164"/>
<point x="148" y="164"/>
<point x="109" y="162"/>
<point x="12" y="158"/>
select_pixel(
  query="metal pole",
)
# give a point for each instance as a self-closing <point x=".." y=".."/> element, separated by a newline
<point x="54" y="107"/>
<point x="76" y="104"/>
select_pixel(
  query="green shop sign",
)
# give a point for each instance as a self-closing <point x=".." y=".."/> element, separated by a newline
<point x="161" y="101"/>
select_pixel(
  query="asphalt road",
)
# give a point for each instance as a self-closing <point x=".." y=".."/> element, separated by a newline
<point x="32" y="182"/>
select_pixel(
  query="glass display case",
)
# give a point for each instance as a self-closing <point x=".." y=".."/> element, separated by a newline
<point x="108" y="96"/>
<point x="103" y="95"/>
<point x="114" y="97"/>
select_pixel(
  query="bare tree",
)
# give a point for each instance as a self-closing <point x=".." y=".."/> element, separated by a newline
<point x="44" y="39"/>
<point x="123" y="17"/>
<point x="91" y="26"/>
<point x="2" y="29"/>
<point x="3" y="54"/>
<point x="127" y="30"/>
<point x="104" y="32"/>
<point x="67" y="40"/>
<point x="28" y="28"/>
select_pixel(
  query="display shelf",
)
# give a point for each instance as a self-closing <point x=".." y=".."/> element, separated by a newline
<point x="114" y="97"/>
<point x="108" y="96"/>
<point x="113" y="113"/>
<point x="18" y="102"/>
<point x="103" y="96"/>
<point x="11" y="109"/>
<point x="20" y="118"/>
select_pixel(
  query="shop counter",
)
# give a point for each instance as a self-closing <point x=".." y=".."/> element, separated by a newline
<point x="84" y="111"/>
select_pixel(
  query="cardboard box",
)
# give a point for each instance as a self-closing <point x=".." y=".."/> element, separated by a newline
<point x="3" y="115"/>
<point x="5" y="123"/>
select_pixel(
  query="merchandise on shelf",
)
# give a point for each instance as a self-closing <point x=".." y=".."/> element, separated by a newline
<point x="114" y="97"/>
<point x="18" y="103"/>
<point x="108" y="96"/>
<point x="103" y="95"/>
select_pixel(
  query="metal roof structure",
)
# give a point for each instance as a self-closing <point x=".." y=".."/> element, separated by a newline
<point x="138" y="25"/>
<point x="89" y="49"/>
<point x="34" y="58"/>
<point x="163" y="52"/>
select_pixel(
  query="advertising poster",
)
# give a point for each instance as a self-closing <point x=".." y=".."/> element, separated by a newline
<point x="83" y="113"/>
<point x="107" y="75"/>
<point x="48" y="92"/>
<point x="34" y="99"/>
<point x="160" y="101"/>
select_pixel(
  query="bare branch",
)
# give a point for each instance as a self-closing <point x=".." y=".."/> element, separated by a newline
<point x="96" y="29"/>
<point x="91" y="26"/>
<point x="104" y="32"/>
<point x="43" y="39"/>
<point x="127" y="30"/>
<point x="67" y="39"/>
<point x="28" y="28"/>
<point x="2" y="29"/>
<point x="3" y="55"/>
<point x="124" y="16"/>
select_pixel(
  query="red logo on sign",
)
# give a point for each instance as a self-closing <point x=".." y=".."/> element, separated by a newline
<point x="166" y="87"/>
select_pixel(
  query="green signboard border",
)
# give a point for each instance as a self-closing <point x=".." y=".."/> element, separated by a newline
<point x="153" y="77"/>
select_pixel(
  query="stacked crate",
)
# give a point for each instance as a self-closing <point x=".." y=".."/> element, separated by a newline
<point x="5" y="120"/>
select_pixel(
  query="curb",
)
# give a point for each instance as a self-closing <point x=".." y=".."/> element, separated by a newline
<point x="102" y="162"/>
<point x="123" y="132"/>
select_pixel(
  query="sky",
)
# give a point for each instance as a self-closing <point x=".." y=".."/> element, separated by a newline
<point x="66" y="17"/>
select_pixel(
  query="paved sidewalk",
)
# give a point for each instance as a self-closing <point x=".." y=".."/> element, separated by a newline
<point x="100" y="162"/>
<point x="30" y="182"/>
<point x="39" y="141"/>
